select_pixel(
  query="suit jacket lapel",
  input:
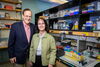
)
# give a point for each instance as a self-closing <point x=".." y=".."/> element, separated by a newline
<point x="23" y="32"/>
<point x="31" y="32"/>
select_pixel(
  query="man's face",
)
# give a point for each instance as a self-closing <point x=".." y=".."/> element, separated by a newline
<point x="27" y="16"/>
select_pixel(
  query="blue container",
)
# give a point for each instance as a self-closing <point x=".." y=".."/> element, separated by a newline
<point x="66" y="15"/>
<point x="89" y="11"/>
<point x="88" y="28"/>
<point x="76" y="12"/>
<point x="67" y="48"/>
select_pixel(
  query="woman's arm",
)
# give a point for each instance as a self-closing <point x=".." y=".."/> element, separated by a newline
<point x="52" y="51"/>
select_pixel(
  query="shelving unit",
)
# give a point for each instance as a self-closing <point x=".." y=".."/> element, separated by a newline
<point x="10" y="12"/>
<point x="55" y="14"/>
<point x="3" y="47"/>
<point x="76" y="20"/>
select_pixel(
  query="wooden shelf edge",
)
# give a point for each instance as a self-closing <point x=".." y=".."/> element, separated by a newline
<point x="3" y="47"/>
<point x="10" y="19"/>
<point x="17" y="10"/>
<point x="5" y="28"/>
<point x="88" y="34"/>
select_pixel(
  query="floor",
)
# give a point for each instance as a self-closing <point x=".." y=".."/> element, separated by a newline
<point x="6" y="64"/>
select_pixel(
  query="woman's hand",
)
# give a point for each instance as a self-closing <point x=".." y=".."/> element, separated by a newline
<point x="29" y="63"/>
<point x="50" y="65"/>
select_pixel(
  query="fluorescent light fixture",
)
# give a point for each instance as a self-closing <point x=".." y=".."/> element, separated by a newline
<point x="59" y="1"/>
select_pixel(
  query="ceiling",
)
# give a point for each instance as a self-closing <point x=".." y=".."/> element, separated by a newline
<point x="56" y="1"/>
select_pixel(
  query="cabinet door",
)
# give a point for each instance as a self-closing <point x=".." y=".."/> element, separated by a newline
<point x="59" y="64"/>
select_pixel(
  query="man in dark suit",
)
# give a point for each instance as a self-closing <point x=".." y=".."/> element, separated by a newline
<point x="20" y="39"/>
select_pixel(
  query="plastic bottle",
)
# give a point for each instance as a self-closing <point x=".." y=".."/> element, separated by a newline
<point x="54" y="25"/>
<point x="91" y="7"/>
<point x="89" y="26"/>
<point x="98" y="23"/>
<point x="94" y="25"/>
<point x="83" y="27"/>
<point x="93" y="19"/>
<point x="98" y="5"/>
<point x="76" y="25"/>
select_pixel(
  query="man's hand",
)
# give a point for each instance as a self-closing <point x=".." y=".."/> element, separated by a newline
<point x="13" y="60"/>
<point x="50" y="65"/>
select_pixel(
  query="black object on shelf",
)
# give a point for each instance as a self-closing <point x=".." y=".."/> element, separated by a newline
<point x="60" y="52"/>
<point x="97" y="65"/>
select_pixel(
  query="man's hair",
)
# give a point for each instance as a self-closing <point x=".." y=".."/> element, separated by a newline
<point x="26" y="9"/>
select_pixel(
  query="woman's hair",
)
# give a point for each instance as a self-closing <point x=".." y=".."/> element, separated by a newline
<point x="46" y="25"/>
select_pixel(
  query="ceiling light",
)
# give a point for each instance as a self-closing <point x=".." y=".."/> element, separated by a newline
<point x="59" y="1"/>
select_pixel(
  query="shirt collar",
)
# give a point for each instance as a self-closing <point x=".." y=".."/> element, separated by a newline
<point x="25" y="24"/>
<point x="41" y="35"/>
<point x="45" y="35"/>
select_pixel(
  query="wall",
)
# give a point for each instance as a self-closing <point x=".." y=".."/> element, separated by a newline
<point x="43" y="5"/>
<point x="36" y="6"/>
<point x="32" y="5"/>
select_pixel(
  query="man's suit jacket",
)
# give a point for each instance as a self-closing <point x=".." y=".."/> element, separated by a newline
<point x="18" y="45"/>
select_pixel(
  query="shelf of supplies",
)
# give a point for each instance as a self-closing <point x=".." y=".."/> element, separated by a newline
<point x="2" y="47"/>
<point x="12" y="2"/>
<point x="94" y="13"/>
<point x="66" y="17"/>
<point x="10" y="19"/>
<point x="4" y="28"/>
<point x="88" y="34"/>
<point x="17" y="10"/>
<point x="87" y="1"/>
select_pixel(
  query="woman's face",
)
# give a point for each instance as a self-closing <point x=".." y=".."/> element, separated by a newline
<point x="41" y="25"/>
